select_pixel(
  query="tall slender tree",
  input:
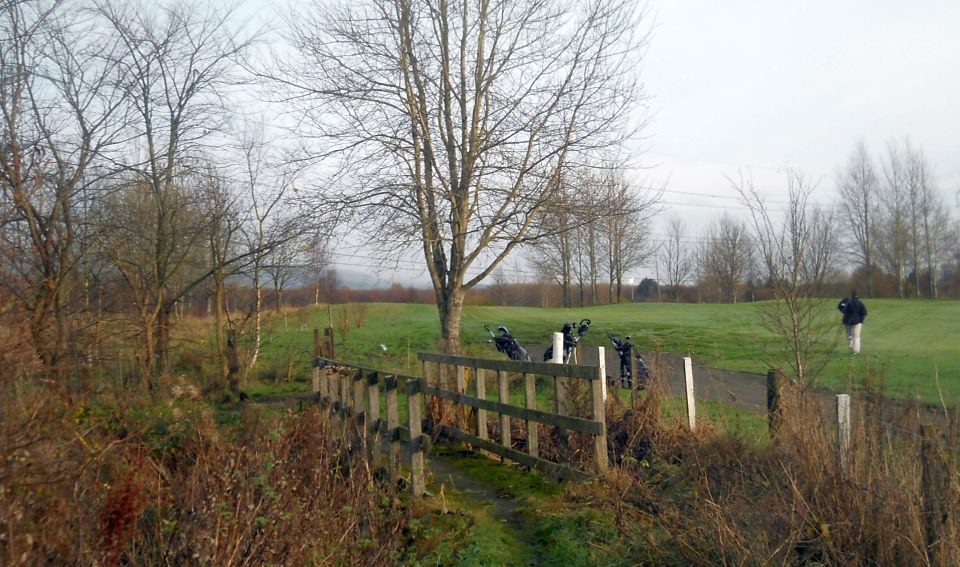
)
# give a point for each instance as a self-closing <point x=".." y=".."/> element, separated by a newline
<point x="858" y="187"/>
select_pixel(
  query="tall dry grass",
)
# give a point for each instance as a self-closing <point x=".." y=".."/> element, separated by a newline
<point x="86" y="482"/>
<point x="715" y="500"/>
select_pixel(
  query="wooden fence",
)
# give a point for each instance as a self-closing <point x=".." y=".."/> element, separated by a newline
<point x="363" y="396"/>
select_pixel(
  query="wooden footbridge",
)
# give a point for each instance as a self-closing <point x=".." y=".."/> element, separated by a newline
<point x="451" y="401"/>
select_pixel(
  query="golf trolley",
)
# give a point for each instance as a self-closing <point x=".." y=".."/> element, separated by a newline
<point x="508" y="345"/>
<point x="624" y="349"/>
<point x="571" y="336"/>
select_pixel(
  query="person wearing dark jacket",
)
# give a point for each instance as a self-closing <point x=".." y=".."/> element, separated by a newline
<point x="854" y="312"/>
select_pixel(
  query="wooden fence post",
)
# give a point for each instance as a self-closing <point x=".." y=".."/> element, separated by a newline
<point x="602" y="357"/>
<point x="359" y="409"/>
<point x="480" y="387"/>
<point x="414" y="410"/>
<point x="634" y="378"/>
<point x="503" y="396"/>
<point x="329" y="333"/>
<point x="559" y="382"/>
<point x="393" y="427"/>
<point x="316" y="363"/>
<point x="775" y="402"/>
<point x="373" y="397"/>
<point x="345" y="403"/>
<point x="843" y="432"/>
<point x="599" y="440"/>
<point x="530" y="395"/>
<point x="233" y="362"/>
<point x="330" y="377"/>
<point x="328" y="342"/>
<point x="691" y="400"/>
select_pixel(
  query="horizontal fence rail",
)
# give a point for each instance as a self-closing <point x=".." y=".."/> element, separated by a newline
<point x="373" y="400"/>
<point x="438" y="369"/>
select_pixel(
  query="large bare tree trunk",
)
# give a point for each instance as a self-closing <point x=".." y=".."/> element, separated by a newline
<point x="450" y="304"/>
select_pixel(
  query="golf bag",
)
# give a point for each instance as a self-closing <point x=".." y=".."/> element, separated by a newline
<point x="571" y="336"/>
<point x="624" y="350"/>
<point x="508" y="345"/>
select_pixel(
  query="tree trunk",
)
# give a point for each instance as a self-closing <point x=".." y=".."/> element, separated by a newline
<point x="219" y="324"/>
<point x="257" y="321"/>
<point x="163" y="340"/>
<point x="450" y="306"/>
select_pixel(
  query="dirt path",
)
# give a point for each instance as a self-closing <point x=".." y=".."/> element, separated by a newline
<point x="497" y="504"/>
<point x="483" y="499"/>
<point x="738" y="389"/>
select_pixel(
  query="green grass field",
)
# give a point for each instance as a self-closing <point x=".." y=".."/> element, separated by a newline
<point x="911" y="347"/>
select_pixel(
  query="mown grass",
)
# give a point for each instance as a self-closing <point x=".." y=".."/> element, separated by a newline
<point x="912" y="346"/>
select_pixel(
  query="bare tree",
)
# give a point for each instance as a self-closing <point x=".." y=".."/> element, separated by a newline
<point x="219" y="206"/>
<point x="315" y="265"/>
<point x="177" y="61"/>
<point x="725" y="257"/>
<point x="284" y="261"/>
<point x="894" y="243"/>
<point x="553" y="252"/>
<point x="795" y="251"/>
<point x="858" y="186"/>
<point x="675" y="257"/>
<point x="624" y="233"/>
<point x="929" y="223"/>
<point x="58" y="116"/>
<point x="269" y="222"/>
<point x="455" y="119"/>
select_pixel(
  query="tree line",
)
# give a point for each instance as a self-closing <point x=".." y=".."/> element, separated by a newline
<point x="131" y="185"/>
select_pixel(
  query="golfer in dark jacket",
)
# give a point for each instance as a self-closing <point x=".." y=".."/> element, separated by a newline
<point x="854" y="312"/>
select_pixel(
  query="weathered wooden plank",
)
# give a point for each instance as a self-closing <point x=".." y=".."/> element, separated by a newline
<point x="503" y="396"/>
<point x="600" y="439"/>
<point x="418" y="483"/>
<point x="373" y="396"/>
<point x="560" y="395"/>
<point x="543" y="368"/>
<point x="530" y="397"/>
<point x="549" y="468"/>
<point x="391" y="428"/>
<point x="480" y="388"/>
<point x="581" y="425"/>
<point x="316" y="362"/>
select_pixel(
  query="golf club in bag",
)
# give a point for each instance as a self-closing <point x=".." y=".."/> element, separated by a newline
<point x="571" y="336"/>
<point x="508" y="345"/>
<point x="624" y="349"/>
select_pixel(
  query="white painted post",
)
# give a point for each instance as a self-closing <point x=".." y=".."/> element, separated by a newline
<point x="559" y="383"/>
<point x="843" y="431"/>
<point x="557" y="348"/>
<point x="691" y="401"/>
<point x="601" y="352"/>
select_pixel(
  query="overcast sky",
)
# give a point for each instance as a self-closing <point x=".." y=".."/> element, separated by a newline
<point x="759" y="86"/>
<point x="756" y="86"/>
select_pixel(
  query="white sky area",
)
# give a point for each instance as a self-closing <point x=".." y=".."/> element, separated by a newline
<point x="759" y="86"/>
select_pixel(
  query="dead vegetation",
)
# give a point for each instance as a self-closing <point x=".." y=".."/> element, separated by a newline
<point x="163" y="484"/>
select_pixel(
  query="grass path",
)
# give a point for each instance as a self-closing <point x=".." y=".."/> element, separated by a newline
<point x="498" y="534"/>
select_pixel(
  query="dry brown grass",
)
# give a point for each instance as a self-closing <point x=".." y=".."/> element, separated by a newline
<point x="90" y="482"/>
<point x="714" y="500"/>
